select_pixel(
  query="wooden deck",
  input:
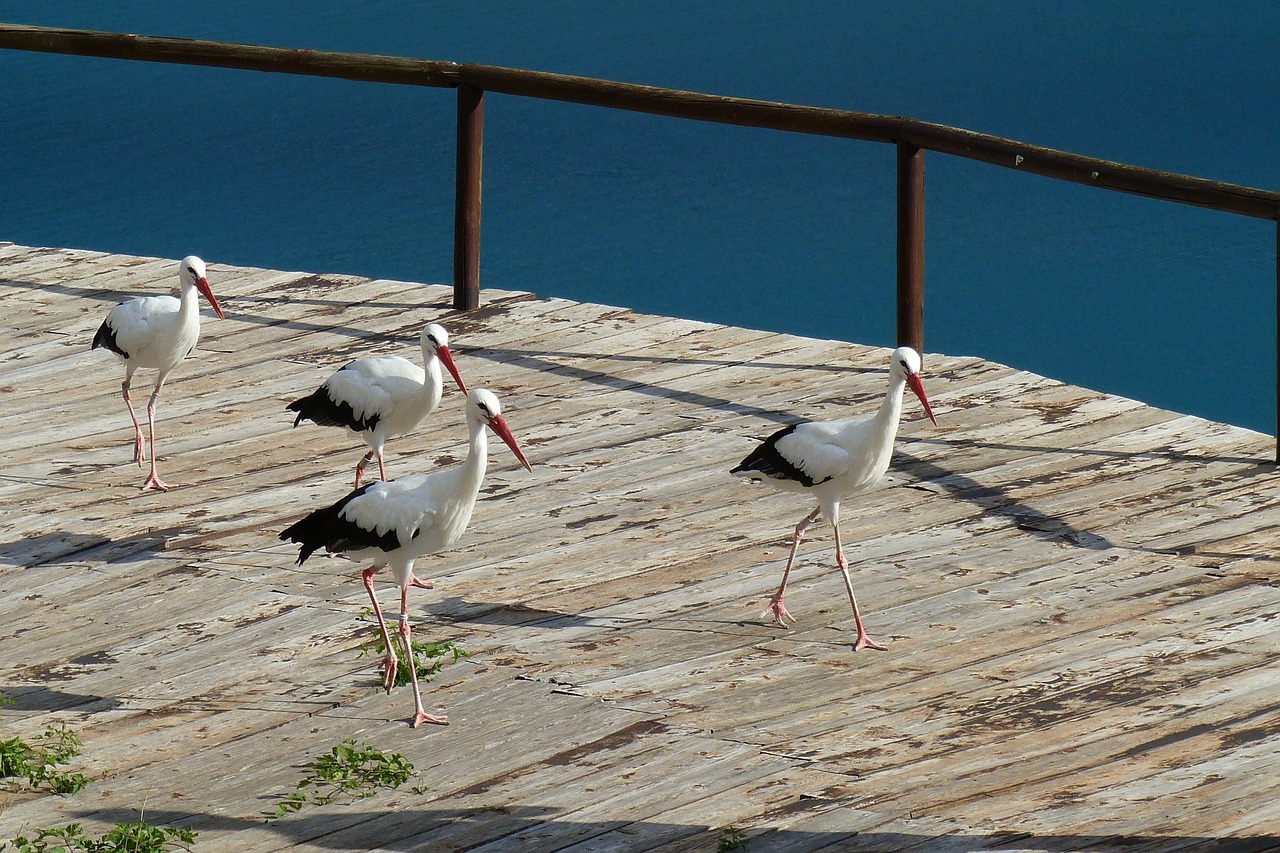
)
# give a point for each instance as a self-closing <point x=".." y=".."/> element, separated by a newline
<point x="1079" y="592"/>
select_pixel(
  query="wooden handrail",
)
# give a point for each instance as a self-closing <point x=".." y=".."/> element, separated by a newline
<point x="365" y="67"/>
<point x="1022" y="156"/>
<point x="819" y="121"/>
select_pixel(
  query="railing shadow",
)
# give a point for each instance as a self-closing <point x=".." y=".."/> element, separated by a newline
<point x="231" y="303"/>
<point x="999" y="500"/>
<point x="458" y="610"/>
<point x="440" y="826"/>
<point x="1254" y="467"/>
<point x="27" y="697"/>
<point x="63" y="547"/>
<point x="541" y="355"/>
<point x="541" y="361"/>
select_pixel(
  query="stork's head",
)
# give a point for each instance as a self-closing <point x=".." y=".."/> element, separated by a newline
<point x="905" y="364"/>
<point x="483" y="405"/>
<point x="191" y="274"/>
<point x="435" y="341"/>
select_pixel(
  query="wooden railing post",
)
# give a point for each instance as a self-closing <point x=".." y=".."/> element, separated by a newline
<point x="466" y="216"/>
<point x="911" y="246"/>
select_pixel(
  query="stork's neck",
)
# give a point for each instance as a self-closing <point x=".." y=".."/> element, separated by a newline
<point x="431" y="364"/>
<point x="188" y="301"/>
<point x="477" y="455"/>
<point x="891" y="409"/>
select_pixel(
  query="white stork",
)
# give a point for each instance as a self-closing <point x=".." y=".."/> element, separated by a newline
<point x="394" y="523"/>
<point x="383" y="397"/>
<point x="830" y="460"/>
<point x="156" y="332"/>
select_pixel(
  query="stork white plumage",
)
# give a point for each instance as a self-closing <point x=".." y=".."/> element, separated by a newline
<point x="831" y="460"/>
<point x="397" y="522"/>
<point x="156" y="332"/>
<point x="382" y="397"/>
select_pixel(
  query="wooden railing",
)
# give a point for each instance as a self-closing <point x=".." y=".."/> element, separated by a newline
<point x="911" y="137"/>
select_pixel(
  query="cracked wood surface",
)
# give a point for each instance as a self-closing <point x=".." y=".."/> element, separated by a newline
<point x="1078" y="591"/>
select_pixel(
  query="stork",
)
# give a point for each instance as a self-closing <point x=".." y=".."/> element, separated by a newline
<point x="394" y="523"/>
<point x="831" y="460"/>
<point x="382" y="397"/>
<point x="156" y="332"/>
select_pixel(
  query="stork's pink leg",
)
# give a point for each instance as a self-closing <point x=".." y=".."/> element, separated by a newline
<point x="382" y="470"/>
<point x="776" y="605"/>
<point x="420" y="714"/>
<point x="864" y="639"/>
<point x="153" y="479"/>
<point x="388" y="662"/>
<point x="138" y="455"/>
<point x="360" y="468"/>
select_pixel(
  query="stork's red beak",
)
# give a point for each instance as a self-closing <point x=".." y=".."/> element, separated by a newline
<point x="917" y="387"/>
<point x="202" y="284"/>
<point x="447" y="358"/>
<point x="498" y="425"/>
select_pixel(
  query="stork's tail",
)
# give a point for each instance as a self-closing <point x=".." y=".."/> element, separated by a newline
<point x="320" y="407"/>
<point x="301" y="406"/>
<point x="311" y="532"/>
<point x="106" y="337"/>
<point x="326" y="528"/>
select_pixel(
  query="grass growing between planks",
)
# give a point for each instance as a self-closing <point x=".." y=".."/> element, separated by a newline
<point x="37" y="762"/>
<point x="132" y="837"/>
<point x="731" y="840"/>
<point x="349" y="772"/>
<point x="428" y="658"/>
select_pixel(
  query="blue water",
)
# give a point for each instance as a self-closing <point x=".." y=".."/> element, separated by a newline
<point x="1172" y="305"/>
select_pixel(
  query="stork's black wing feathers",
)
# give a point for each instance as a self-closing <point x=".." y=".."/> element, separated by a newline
<point x="326" y="411"/>
<point x="327" y="529"/>
<point x="766" y="460"/>
<point x="106" y="337"/>
<point x="320" y="407"/>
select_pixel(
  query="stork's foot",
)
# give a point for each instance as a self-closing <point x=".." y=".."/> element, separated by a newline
<point x="154" y="483"/>
<point x="389" y="664"/>
<point x="865" y="642"/>
<point x="414" y="580"/>
<point x="139" y="455"/>
<point x="423" y="717"/>
<point x="778" y="610"/>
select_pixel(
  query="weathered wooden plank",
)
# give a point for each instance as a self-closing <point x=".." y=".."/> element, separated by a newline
<point x="1055" y="555"/>
<point x="226" y="823"/>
